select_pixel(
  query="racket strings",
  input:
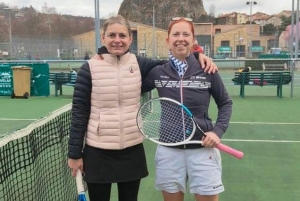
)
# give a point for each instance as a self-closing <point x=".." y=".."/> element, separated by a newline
<point x="165" y="121"/>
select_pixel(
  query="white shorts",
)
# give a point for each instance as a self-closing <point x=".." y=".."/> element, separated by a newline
<point x="201" y="167"/>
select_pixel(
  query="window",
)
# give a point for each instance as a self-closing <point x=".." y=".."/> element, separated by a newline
<point x="276" y="50"/>
<point x="225" y="43"/>
<point x="218" y="31"/>
<point x="133" y="47"/>
<point x="255" y="43"/>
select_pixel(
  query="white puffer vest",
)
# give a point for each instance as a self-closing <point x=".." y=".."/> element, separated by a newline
<point x="115" y="100"/>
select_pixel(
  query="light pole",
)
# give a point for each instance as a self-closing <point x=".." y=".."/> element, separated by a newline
<point x="153" y="34"/>
<point x="292" y="31"/>
<point x="250" y="41"/>
<point x="145" y="45"/>
<point x="10" y="36"/>
<point x="275" y="40"/>
<point x="97" y="25"/>
<point x="297" y="32"/>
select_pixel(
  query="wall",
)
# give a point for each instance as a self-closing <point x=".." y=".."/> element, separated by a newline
<point x="142" y="37"/>
<point x="145" y="41"/>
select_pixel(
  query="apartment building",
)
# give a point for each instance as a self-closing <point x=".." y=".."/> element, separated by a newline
<point x="233" y="18"/>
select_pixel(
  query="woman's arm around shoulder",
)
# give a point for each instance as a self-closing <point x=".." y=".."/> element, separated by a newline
<point x="147" y="64"/>
<point x="206" y="63"/>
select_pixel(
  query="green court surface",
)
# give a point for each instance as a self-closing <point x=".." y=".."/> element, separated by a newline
<point x="264" y="127"/>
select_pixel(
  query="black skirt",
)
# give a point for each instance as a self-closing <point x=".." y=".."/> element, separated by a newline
<point x="113" y="166"/>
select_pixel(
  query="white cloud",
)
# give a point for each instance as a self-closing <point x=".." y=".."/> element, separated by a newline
<point x="265" y="6"/>
<point x="86" y="7"/>
<point x="73" y="7"/>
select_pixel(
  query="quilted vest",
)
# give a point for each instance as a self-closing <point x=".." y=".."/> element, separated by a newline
<point x="115" y="100"/>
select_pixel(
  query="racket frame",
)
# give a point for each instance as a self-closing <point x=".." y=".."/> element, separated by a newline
<point x="222" y="147"/>
<point x="80" y="188"/>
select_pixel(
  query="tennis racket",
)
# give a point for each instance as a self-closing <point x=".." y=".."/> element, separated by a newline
<point x="80" y="188"/>
<point x="168" y="122"/>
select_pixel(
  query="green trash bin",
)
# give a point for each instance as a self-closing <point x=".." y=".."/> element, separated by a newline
<point x="21" y="80"/>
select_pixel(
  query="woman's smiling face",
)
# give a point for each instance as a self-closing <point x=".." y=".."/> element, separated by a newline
<point x="117" y="39"/>
<point x="180" y="39"/>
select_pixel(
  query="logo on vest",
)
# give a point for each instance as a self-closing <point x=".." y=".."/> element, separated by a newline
<point x="131" y="69"/>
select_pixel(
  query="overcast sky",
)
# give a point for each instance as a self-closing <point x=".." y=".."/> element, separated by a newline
<point x="86" y="7"/>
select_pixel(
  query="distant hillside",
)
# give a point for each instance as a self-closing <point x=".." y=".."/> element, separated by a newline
<point x="34" y="24"/>
<point x="142" y="11"/>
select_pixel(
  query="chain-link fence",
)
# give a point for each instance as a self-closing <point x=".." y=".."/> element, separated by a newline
<point x="266" y="78"/>
<point x="39" y="49"/>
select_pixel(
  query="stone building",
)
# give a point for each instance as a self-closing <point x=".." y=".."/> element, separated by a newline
<point x="221" y="41"/>
<point x="216" y="40"/>
<point x="232" y="18"/>
<point x="143" y="43"/>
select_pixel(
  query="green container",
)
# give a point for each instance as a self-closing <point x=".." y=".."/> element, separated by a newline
<point x="5" y="80"/>
<point x="39" y="78"/>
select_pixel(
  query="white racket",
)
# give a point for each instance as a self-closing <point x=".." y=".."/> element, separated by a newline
<point x="168" y="122"/>
<point x="80" y="188"/>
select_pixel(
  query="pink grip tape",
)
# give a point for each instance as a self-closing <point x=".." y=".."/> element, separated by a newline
<point x="231" y="151"/>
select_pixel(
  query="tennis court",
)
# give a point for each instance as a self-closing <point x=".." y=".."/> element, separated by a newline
<point x="265" y="127"/>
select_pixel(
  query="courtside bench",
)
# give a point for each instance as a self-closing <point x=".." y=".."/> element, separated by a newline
<point x="262" y="79"/>
<point x="60" y="79"/>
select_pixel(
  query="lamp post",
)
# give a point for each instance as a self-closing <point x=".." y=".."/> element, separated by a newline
<point x="292" y="31"/>
<point x="275" y="40"/>
<point x="145" y="45"/>
<point x="10" y="36"/>
<point x="153" y="34"/>
<point x="297" y="33"/>
<point x="250" y="41"/>
<point x="97" y="25"/>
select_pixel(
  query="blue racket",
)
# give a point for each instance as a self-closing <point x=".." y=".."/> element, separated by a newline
<point x="80" y="188"/>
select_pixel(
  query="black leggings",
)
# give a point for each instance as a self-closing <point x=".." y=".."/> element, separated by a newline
<point x="128" y="191"/>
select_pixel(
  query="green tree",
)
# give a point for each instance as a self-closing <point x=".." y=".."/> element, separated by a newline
<point x="269" y="29"/>
<point x="286" y="21"/>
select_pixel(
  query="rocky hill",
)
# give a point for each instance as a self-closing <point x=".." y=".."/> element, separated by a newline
<point x="142" y="11"/>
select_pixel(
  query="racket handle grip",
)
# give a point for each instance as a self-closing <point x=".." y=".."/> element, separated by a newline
<point x="79" y="183"/>
<point x="231" y="151"/>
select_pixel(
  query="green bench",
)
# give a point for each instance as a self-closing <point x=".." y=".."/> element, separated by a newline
<point x="262" y="79"/>
<point x="60" y="79"/>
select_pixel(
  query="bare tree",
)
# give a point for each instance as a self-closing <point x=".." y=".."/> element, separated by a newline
<point x="212" y="10"/>
<point x="50" y="12"/>
<point x="31" y="23"/>
<point x="110" y="15"/>
<point x="4" y="30"/>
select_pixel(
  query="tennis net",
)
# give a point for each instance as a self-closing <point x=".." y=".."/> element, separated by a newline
<point x="33" y="161"/>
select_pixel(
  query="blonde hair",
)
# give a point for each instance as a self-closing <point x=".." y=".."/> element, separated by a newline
<point x="117" y="20"/>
